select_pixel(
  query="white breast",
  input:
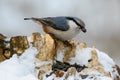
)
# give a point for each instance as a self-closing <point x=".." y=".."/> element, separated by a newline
<point x="66" y="35"/>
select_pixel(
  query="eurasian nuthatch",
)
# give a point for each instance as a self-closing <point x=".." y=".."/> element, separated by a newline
<point x="63" y="28"/>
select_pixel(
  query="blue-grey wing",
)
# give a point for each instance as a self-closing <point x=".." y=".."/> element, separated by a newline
<point x="58" y="23"/>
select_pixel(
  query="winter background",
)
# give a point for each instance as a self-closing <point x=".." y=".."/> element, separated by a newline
<point x="102" y="19"/>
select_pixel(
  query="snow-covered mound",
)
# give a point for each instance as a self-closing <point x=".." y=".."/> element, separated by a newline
<point x="95" y="65"/>
<point x="44" y="60"/>
<point x="23" y="67"/>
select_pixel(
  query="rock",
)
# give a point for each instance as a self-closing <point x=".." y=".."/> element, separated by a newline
<point x="40" y="74"/>
<point x="2" y="47"/>
<point x="45" y="46"/>
<point x="37" y="40"/>
<point x="2" y="37"/>
<point x="59" y="73"/>
<point x="18" y="44"/>
<point x="118" y="69"/>
<point x="7" y="54"/>
<point x="2" y="58"/>
<point x="71" y="71"/>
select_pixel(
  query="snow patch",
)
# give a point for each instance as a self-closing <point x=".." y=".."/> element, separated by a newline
<point x="19" y="68"/>
<point x="81" y="56"/>
<point x="105" y="60"/>
<point x="60" y="55"/>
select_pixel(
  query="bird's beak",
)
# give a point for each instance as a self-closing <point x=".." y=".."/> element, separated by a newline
<point x="84" y="30"/>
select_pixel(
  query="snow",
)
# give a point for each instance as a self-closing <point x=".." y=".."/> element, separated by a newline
<point x="98" y="78"/>
<point x="60" y="55"/>
<point x="19" y="68"/>
<point x="105" y="60"/>
<point x="23" y="67"/>
<point x="82" y="56"/>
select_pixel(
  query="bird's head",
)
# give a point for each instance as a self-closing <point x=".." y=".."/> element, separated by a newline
<point x="78" y="22"/>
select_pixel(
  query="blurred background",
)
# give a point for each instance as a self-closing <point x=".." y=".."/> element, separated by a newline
<point x="102" y="19"/>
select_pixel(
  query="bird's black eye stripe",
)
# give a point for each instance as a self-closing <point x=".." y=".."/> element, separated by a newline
<point x="70" y="18"/>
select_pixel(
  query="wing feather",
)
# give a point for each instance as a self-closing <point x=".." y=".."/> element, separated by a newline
<point x="58" y="23"/>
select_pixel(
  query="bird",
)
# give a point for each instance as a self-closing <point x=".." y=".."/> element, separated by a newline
<point x="63" y="28"/>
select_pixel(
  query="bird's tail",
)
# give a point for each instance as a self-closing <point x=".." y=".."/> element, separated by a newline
<point x="31" y="18"/>
<point x="38" y="20"/>
<point x="27" y="18"/>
